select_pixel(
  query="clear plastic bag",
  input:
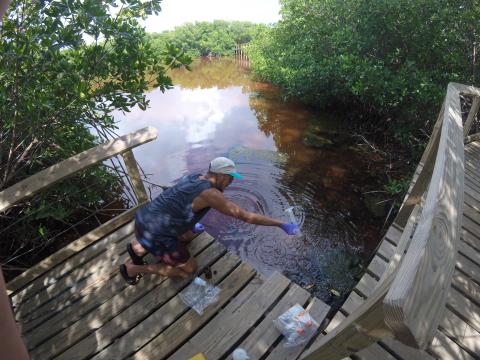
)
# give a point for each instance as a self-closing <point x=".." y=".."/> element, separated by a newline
<point x="199" y="294"/>
<point x="296" y="325"/>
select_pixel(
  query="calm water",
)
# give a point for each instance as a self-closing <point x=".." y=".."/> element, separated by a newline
<point x="218" y="110"/>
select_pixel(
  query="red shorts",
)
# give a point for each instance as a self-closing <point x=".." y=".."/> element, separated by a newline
<point x="168" y="250"/>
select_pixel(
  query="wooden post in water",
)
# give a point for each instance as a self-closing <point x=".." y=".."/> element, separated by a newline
<point x="241" y="55"/>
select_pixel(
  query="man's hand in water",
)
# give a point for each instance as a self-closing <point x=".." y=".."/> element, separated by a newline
<point x="290" y="229"/>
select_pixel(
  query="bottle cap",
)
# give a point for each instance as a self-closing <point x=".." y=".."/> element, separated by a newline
<point x="200" y="281"/>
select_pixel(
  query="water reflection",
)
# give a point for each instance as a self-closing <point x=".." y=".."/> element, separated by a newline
<point x="218" y="110"/>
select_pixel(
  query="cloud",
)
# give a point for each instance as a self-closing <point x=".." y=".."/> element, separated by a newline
<point x="178" y="12"/>
<point x="208" y="112"/>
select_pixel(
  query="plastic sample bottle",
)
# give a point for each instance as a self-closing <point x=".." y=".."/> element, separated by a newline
<point x="292" y="218"/>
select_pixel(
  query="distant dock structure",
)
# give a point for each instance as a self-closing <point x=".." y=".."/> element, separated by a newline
<point x="241" y="54"/>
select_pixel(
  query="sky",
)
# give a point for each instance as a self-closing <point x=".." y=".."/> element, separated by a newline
<point x="178" y="12"/>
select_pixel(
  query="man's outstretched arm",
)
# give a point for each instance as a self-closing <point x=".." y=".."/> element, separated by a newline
<point x="217" y="201"/>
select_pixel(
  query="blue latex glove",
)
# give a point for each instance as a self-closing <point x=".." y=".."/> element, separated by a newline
<point x="198" y="228"/>
<point x="290" y="229"/>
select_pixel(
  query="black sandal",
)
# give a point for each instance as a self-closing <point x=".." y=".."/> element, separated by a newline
<point x="137" y="260"/>
<point x="131" y="280"/>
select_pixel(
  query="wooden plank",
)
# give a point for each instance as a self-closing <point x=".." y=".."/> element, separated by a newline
<point x="469" y="252"/>
<point x="472" y="138"/>
<point x="393" y="234"/>
<point x="475" y="145"/>
<point x="70" y="166"/>
<point x="334" y="322"/>
<point x="36" y="311"/>
<point x="472" y="205"/>
<point x="21" y="281"/>
<point x="352" y="303"/>
<point x="65" y="290"/>
<point x="77" y="259"/>
<point x="472" y="178"/>
<point x="219" y="335"/>
<point x="134" y="175"/>
<point x="472" y="196"/>
<point x="466" y="286"/>
<point x="91" y="297"/>
<point x="155" y="323"/>
<point x="472" y="169"/>
<point x="133" y="301"/>
<point x="469" y="233"/>
<point x="463" y="334"/>
<point x="446" y="349"/>
<point x="471" y="116"/>
<point x="472" y="158"/>
<point x="181" y="330"/>
<point x="264" y="336"/>
<point x="377" y="266"/>
<point x="472" y="189"/>
<point x="403" y="244"/>
<point x="403" y="351"/>
<point x="470" y="239"/>
<point x="472" y="214"/>
<point x="65" y="317"/>
<point x="374" y="351"/>
<point x="386" y="250"/>
<point x="400" y="350"/>
<point x="366" y="285"/>
<point x="468" y="267"/>
<point x="472" y="165"/>
<point x="414" y="304"/>
<point x="472" y="152"/>
<point x="318" y="310"/>
<point x="361" y="329"/>
<point x="464" y="308"/>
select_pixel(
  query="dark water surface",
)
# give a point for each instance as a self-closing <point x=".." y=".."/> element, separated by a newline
<point x="289" y="156"/>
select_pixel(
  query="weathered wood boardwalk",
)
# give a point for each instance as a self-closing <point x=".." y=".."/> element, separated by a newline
<point x="82" y="308"/>
<point x="422" y="287"/>
<point x="458" y="336"/>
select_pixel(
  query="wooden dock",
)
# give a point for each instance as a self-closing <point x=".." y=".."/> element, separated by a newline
<point x="418" y="299"/>
<point x="82" y="308"/>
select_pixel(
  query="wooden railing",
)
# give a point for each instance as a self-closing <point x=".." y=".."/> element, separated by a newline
<point x="61" y="171"/>
<point x="409" y="300"/>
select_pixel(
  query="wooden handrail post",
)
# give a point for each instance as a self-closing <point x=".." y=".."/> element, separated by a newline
<point x="471" y="116"/>
<point x="415" y="302"/>
<point x="134" y="174"/>
<point x="360" y="329"/>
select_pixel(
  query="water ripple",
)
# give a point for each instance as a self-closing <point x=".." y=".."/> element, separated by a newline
<point x="306" y="258"/>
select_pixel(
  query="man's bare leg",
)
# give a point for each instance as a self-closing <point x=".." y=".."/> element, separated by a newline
<point x="138" y="248"/>
<point x="183" y="270"/>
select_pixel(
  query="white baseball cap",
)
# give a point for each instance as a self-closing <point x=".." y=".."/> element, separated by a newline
<point x="223" y="165"/>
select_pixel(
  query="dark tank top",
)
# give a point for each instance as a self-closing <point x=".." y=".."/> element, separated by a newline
<point x="170" y="214"/>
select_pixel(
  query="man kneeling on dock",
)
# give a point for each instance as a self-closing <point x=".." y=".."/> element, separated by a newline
<point x="166" y="224"/>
